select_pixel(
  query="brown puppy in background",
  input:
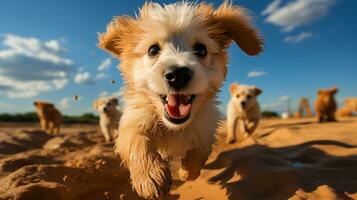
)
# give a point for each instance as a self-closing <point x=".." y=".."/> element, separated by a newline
<point x="173" y="59"/>
<point x="243" y="112"/>
<point x="325" y="105"/>
<point x="109" y="116"/>
<point x="348" y="109"/>
<point x="50" y="117"/>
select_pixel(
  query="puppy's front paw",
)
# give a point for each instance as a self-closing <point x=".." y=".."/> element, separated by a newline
<point x="152" y="181"/>
<point x="186" y="175"/>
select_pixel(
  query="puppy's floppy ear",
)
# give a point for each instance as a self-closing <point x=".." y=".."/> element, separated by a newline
<point x="257" y="91"/>
<point x="234" y="23"/>
<point x="115" y="101"/>
<point x="112" y="39"/>
<point x="95" y="104"/>
<point x="35" y="103"/>
<point x="233" y="87"/>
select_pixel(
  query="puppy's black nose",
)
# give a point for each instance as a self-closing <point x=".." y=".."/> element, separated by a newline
<point x="178" y="77"/>
<point x="242" y="103"/>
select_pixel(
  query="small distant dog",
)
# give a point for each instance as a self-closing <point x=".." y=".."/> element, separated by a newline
<point x="243" y="112"/>
<point x="348" y="109"/>
<point x="325" y="105"/>
<point x="344" y="112"/>
<point x="173" y="61"/>
<point x="50" y="117"/>
<point x="351" y="103"/>
<point x="109" y="116"/>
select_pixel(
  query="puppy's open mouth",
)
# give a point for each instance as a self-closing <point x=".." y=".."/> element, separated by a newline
<point x="177" y="107"/>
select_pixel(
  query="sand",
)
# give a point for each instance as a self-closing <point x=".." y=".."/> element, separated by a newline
<point x="285" y="159"/>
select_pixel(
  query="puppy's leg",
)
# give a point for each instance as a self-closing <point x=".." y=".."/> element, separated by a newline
<point x="57" y="128"/>
<point x="149" y="173"/>
<point x="231" y="130"/>
<point x="106" y="134"/>
<point x="47" y="125"/>
<point x="320" y="117"/>
<point x="331" y="117"/>
<point x="191" y="165"/>
<point x="242" y="134"/>
<point x="43" y="124"/>
<point x="251" y="125"/>
<point x="51" y="127"/>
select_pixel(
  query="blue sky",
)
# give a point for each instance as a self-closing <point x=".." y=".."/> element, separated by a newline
<point x="48" y="52"/>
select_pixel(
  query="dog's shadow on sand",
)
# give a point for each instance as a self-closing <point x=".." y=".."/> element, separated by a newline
<point x="278" y="173"/>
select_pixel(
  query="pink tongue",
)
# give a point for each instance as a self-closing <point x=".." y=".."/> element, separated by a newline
<point x="177" y="106"/>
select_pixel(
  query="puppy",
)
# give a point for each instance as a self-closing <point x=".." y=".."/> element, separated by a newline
<point x="243" y="111"/>
<point x="344" y="112"/>
<point x="109" y="116"/>
<point x="348" y="109"/>
<point x="50" y="117"/>
<point x="351" y="103"/>
<point x="173" y="59"/>
<point x="325" y="105"/>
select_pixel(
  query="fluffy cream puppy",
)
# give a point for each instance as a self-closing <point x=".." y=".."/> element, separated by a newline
<point x="109" y="115"/>
<point x="243" y="112"/>
<point x="173" y="61"/>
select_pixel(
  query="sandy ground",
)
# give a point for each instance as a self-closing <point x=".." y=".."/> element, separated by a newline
<point x="286" y="159"/>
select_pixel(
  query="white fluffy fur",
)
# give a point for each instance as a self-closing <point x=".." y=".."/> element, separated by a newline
<point x="147" y="140"/>
<point x="242" y="121"/>
<point x="109" y="116"/>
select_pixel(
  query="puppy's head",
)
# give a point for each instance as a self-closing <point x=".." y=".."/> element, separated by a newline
<point x="176" y="54"/>
<point x="43" y="107"/>
<point x="244" y="97"/>
<point x="327" y="94"/>
<point x="105" y="104"/>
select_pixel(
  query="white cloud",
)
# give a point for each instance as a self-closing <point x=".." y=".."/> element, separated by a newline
<point x="65" y="103"/>
<point x="4" y="105"/>
<point x="101" y="75"/>
<point x="280" y="105"/>
<point x="284" y="98"/>
<point x="103" y="94"/>
<point x="118" y="93"/>
<point x="29" y="66"/>
<point x="272" y="7"/>
<point x="296" y="13"/>
<point x="252" y="74"/>
<point x="298" y="38"/>
<point x="54" y="45"/>
<point x="83" y="78"/>
<point x="105" y="64"/>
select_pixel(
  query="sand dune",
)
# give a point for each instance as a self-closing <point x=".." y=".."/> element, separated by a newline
<point x="285" y="159"/>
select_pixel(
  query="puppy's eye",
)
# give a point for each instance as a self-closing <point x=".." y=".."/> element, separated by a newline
<point x="249" y="96"/>
<point x="154" y="50"/>
<point x="237" y="96"/>
<point x="200" y="50"/>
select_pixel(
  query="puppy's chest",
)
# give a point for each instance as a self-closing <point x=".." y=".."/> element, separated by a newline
<point x="173" y="145"/>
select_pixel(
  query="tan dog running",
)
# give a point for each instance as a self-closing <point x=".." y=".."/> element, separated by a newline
<point x="325" y="105"/>
<point x="243" y="112"/>
<point x="50" y="117"/>
<point x="173" y="60"/>
<point x="349" y="109"/>
<point x="109" y="116"/>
